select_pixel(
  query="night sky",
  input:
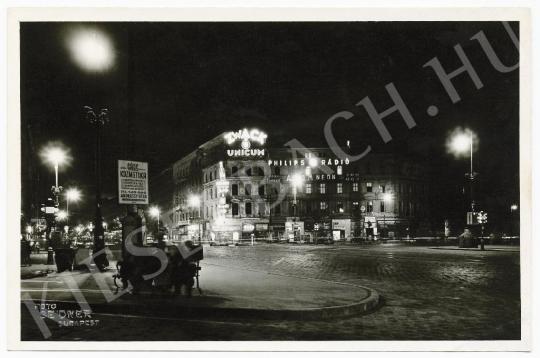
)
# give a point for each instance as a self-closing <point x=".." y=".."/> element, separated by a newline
<point x="177" y="85"/>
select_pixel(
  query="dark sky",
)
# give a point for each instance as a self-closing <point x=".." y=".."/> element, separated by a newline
<point x="179" y="84"/>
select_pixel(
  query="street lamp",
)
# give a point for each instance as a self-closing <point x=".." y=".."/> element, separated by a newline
<point x="387" y="199"/>
<point x="194" y="201"/>
<point x="154" y="212"/>
<point x="297" y="181"/>
<point x="92" y="50"/>
<point x="55" y="156"/>
<point x="72" y="194"/>
<point x="461" y="143"/>
<point x="61" y="215"/>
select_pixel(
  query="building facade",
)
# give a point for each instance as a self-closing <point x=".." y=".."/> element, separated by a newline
<point x="235" y="188"/>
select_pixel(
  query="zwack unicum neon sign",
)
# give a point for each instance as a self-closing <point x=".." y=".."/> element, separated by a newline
<point x="246" y="138"/>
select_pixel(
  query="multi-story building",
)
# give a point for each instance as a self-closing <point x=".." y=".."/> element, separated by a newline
<point x="226" y="190"/>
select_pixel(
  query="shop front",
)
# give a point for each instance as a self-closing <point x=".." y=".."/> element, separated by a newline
<point x="341" y="229"/>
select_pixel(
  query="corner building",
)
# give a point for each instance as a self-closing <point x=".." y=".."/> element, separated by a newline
<point x="246" y="190"/>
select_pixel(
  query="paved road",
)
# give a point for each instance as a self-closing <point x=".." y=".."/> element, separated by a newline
<point x="429" y="294"/>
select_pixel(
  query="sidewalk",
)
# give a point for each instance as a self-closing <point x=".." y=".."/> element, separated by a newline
<point x="226" y="292"/>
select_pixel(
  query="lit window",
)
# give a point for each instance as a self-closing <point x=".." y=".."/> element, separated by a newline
<point x="369" y="187"/>
<point x="355" y="187"/>
<point x="308" y="188"/>
<point x="322" y="188"/>
<point x="323" y="205"/>
<point x="339" y="188"/>
<point x="339" y="170"/>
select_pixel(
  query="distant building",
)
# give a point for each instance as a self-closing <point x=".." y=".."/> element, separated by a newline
<point x="233" y="187"/>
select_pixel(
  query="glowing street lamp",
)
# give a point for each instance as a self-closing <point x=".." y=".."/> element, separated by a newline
<point x="461" y="143"/>
<point x="297" y="181"/>
<point x="513" y="207"/>
<point x="55" y="156"/>
<point x="91" y="49"/>
<point x="194" y="201"/>
<point x="61" y="215"/>
<point x="154" y="212"/>
<point x="72" y="194"/>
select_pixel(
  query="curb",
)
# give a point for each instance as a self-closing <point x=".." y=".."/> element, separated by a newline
<point x="472" y="249"/>
<point x="365" y="306"/>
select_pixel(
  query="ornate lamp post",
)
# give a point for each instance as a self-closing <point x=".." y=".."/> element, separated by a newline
<point x="92" y="50"/>
<point x="98" y="120"/>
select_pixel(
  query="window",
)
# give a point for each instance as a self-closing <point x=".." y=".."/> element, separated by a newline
<point x="382" y="188"/>
<point x="339" y="188"/>
<point x="339" y="207"/>
<point x="308" y="188"/>
<point x="234" y="189"/>
<point x="356" y="206"/>
<point x="277" y="171"/>
<point x="369" y="206"/>
<point x="248" y="209"/>
<point x="261" y="190"/>
<point x="322" y="188"/>
<point x="369" y="187"/>
<point x="339" y="170"/>
<point x="277" y="209"/>
<point x="211" y="176"/>
<point x="247" y="189"/>
<point x="323" y="205"/>
<point x="248" y="172"/>
<point x="235" y="209"/>
<point x="234" y="170"/>
<point x="211" y="193"/>
<point x="354" y="186"/>
<point x="262" y="209"/>
<point x="382" y="206"/>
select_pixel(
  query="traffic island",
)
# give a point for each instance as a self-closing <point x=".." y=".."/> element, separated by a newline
<point x="229" y="293"/>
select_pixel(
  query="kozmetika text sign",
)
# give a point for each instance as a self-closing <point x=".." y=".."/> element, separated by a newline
<point x="132" y="182"/>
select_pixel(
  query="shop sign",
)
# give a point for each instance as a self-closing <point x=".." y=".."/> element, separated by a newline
<point x="248" y="228"/>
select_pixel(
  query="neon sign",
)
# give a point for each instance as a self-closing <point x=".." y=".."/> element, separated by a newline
<point x="247" y="137"/>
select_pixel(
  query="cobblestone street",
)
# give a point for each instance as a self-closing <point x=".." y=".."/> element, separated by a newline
<point x="428" y="294"/>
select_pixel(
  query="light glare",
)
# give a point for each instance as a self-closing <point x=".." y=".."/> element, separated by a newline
<point x="91" y="49"/>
